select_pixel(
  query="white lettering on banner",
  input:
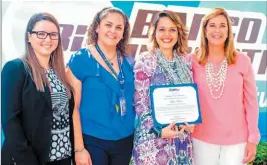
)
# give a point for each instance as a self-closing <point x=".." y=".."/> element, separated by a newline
<point x="74" y="17"/>
<point x="262" y="100"/>
<point x="17" y="14"/>
<point x="248" y="29"/>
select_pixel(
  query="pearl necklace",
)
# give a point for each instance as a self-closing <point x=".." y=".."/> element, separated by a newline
<point x="216" y="81"/>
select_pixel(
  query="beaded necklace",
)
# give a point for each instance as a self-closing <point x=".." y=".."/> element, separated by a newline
<point x="176" y="71"/>
<point x="216" y="80"/>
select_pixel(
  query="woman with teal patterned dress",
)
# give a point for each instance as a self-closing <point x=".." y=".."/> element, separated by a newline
<point x="165" y="64"/>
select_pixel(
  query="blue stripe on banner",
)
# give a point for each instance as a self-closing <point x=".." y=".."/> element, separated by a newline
<point x="126" y="6"/>
<point x="262" y="98"/>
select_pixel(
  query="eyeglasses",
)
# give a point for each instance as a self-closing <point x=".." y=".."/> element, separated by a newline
<point x="43" y="35"/>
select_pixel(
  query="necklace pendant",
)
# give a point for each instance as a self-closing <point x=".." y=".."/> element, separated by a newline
<point x="110" y="62"/>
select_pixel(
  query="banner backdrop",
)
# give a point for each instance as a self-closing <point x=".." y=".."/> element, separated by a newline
<point x="249" y="29"/>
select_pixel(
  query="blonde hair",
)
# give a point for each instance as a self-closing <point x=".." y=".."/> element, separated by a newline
<point x="32" y="64"/>
<point x="181" y="46"/>
<point x="230" y="52"/>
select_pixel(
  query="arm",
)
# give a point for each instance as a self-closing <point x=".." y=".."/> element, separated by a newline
<point x="77" y="88"/>
<point x="16" y="142"/>
<point x="142" y="75"/>
<point x="81" y="155"/>
<point x="252" y="112"/>
<point x="251" y="103"/>
<point x="76" y="73"/>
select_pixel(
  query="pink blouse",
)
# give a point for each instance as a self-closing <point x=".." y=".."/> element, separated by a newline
<point x="233" y="118"/>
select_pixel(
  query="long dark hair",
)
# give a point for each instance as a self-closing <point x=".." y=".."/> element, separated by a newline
<point x="31" y="62"/>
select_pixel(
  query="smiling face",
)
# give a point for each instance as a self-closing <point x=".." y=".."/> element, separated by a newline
<point x="216" y="31"/>
<point x="110" y="30"/>
<point x="166" y="33"/>
<point x="43" y="47"/>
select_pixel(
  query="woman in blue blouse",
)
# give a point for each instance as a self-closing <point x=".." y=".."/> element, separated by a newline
<point x="102" y="79"/>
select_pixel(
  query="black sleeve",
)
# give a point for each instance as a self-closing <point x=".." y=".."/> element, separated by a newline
<point x="13" y="77"/>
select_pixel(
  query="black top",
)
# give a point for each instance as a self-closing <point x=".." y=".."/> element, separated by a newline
<point x="26" y="117"/>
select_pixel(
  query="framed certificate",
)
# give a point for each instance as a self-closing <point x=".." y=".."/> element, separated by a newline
<point x="175" y="103"/>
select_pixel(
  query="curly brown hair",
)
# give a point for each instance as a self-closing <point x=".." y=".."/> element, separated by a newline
<point x="181" y="46"/>
<point x="92" y="34"/>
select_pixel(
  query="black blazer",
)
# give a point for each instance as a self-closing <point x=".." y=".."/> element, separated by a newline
<point x="26" y="118"/>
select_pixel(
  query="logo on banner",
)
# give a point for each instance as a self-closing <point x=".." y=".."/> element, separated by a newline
<point x="248" y="29"/>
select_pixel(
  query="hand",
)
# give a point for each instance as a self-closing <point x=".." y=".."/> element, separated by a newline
<point x="83" y="158"/>
<point x="188" y="127"/>
<point x="250" y="152"/>
<point x="171" y="131"/>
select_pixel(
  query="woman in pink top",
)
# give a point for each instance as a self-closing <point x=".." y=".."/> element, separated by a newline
<point x="228" y="98"/>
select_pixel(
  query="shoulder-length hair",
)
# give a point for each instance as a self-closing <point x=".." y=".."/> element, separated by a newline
<point x="56" y="61"/>
<point x="181" y="46"/>
<point x="230" y="52"/>
<point x="93" y="37"/>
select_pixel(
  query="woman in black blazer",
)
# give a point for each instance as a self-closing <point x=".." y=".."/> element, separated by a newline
<point x="36" y="100"/>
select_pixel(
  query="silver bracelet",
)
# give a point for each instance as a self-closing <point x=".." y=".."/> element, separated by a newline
<point x="79" y="150"/>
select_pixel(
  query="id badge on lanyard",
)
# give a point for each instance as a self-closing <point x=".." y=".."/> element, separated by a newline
<point x="122" y="104"/>
<point x="122" y="100"/>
